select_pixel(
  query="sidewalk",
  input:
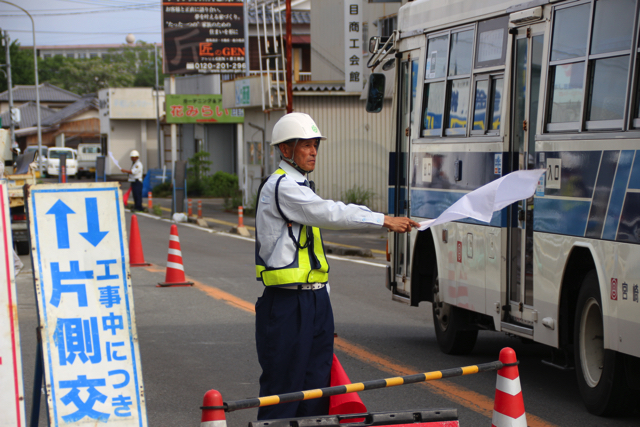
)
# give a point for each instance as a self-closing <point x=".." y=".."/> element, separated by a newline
<point x="364" y="243"/>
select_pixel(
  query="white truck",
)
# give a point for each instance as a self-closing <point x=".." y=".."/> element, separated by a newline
<point x="87" y="155"/>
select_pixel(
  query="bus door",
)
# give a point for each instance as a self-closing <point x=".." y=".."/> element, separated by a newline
<point x="407" y="86"/>
<point x="527" y="67"/>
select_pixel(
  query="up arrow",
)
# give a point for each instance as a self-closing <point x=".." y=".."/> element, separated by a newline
<point x="60" y="210"/>
<point x="93" y="233"/>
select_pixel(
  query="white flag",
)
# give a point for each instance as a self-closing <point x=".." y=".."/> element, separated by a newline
<point x="113" y="159"/>
<point x="481" y="203"/>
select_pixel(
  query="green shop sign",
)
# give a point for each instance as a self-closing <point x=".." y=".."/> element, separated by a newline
<point x="200" y="109"/>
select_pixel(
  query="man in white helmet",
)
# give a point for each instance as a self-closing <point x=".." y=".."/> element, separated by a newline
<point x="135" y="178"/>
<point x="294" y="319"/>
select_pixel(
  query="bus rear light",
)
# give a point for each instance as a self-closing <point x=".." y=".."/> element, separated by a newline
<point x="19" y="217"/>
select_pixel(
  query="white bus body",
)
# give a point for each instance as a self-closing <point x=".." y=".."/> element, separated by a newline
<point x="487" y="87"/>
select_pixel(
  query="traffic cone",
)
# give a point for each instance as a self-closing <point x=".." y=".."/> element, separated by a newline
<point x="343" y="404"/>
<point x="212" y="417"/>
<point x="175" y="269"/>
<point x="508" y="406"/>
<point x="125" y="198"/>
<point x="136" y="255"/>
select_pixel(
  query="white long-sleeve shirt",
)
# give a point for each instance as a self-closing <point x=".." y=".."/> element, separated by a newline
<point x="136" y="171"/>
<point x="302" y="206"/>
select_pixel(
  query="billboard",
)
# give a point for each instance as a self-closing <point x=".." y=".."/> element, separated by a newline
<point x="201" y="109"/>
<point x="203" y="36"/>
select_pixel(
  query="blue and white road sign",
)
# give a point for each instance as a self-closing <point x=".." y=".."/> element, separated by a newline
<point x="85" y="303"/>
<point x="11" y="388"/>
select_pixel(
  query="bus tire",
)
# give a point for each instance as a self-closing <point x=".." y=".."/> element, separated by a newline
<point x="450" y="325"/>
<point x="600" y="372"/>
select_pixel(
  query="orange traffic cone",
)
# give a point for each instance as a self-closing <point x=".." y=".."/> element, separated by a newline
<point x="212" y="417"/>
<point x="343" y="404"/>
<point x="508" y="406"/>
<point x="175" y="269"/>
<point x="136" y="255"/>
<point x="125" y="198"/>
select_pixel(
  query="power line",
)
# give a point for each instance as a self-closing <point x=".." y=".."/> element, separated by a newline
<point x="88" y="32"/>
<point x="141" y="7"/>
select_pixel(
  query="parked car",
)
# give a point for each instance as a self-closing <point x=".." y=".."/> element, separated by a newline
<point x="53" y="162"/>
<point x="87" y="155"/>
<point x="45" y="153"/>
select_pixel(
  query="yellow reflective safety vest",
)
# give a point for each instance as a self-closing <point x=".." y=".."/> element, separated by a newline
<point x="309" y="264"/>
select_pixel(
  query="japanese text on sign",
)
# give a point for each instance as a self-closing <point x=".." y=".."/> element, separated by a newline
<point x="203" y="36"/>
<point x="92" y="361"/>
<point x="353" y="65"/>
<point x="200" y="109"/>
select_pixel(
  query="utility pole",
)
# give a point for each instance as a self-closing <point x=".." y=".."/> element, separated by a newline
<point x="160" y="137"/>
<point x="288" y="57"/>
<point x="12" y="126"/>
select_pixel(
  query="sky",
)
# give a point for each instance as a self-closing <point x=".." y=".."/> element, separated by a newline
<point x="78" y="22"/>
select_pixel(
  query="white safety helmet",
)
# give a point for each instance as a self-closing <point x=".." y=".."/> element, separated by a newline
<point x="134" y="153"/>
<point x="295" y="126"/>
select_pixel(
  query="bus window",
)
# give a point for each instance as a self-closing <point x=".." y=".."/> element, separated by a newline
<point x="459" y="66"/>
<point x="433" y="108"/>
<point x="492" y="42"/>
<point x="599" y="103"/>
<point x="487" y="105"/>
<point x="612" y="31"/>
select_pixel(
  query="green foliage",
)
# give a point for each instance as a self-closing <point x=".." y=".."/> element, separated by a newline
<point x="232" y="202"/>
<point x="222" y="184"/>
<point x="22" y="70"/>
<point x="358" y="195"/>
<point x="157" y="210"/>
<point x="162" y="190"/>
<point x="197" y="173"/>
<point x="132" y="67"/>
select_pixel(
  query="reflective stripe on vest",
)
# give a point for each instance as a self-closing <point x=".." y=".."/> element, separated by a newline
<point x="307" y="266"/>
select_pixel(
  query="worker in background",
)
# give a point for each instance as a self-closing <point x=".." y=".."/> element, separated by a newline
<point x="135" y="178"/>
<point x="294" y="319"/>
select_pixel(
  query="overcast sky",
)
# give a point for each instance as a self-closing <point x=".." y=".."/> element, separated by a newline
<point x="77" y="22"/>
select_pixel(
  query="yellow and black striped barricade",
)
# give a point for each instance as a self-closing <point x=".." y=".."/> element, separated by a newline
<point x="507" y="360"/>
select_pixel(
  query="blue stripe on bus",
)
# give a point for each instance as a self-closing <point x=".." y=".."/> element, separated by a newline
<point x="634" y="182"/>
<point x="629" y="229"/>
<point x="601" y="194"/>
<point x="617" y="195"/>
<point x="430" y="204"/>
<point x="561" y="216"/>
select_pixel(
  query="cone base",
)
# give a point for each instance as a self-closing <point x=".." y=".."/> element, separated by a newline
<point x="168" y="285"/>
<point x="144" y="264"/>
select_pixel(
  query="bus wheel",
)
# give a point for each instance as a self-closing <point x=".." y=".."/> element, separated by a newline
<point x="600" y="372"/>
<point x="449" y="322"/>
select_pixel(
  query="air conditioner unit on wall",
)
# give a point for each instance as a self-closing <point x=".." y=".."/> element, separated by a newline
<point x="532" y="14"/>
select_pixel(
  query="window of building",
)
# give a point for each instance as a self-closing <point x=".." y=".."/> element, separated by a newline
<point x="387" y="25"/>
<point x="590" y="62"/>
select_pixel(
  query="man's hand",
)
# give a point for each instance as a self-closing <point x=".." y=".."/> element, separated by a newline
<point x="399" y="224"/>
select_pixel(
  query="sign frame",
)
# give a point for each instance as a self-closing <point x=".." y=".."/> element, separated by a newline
<point x="11" y="386"/>
<point x="65" y="289"/>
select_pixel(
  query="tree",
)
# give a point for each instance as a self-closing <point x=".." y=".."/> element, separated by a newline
<point x="130" y="66"/>
<point x="22" y="72"/>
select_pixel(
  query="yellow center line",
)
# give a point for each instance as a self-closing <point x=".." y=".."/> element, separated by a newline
<point x="460" y="395"/>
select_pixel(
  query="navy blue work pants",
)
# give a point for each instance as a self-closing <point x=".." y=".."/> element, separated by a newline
<point x="294" y="339"/>
<point x="136" y="190"/>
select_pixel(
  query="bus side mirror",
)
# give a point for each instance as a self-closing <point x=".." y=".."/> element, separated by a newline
<point x="375" y="93"/>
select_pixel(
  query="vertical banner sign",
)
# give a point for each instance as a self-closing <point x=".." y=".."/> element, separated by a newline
<point x="203" y="36"/>
<point x="85" y="305"/>
<point x="11" y="388"/>
<point x="353" y="78"/>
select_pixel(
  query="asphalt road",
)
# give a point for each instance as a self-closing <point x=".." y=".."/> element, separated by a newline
<point x="193" y="339"/>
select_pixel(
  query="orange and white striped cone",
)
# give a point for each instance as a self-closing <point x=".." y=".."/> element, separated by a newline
<point x="508" y="406"/>
<point x="175" y="269"/>
<point x="212" y="417"/>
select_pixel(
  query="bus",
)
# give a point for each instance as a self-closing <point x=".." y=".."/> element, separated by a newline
<point x="484" y="88"/>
